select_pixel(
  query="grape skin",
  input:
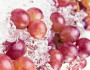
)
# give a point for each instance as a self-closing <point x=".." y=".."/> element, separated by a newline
<point x="16" y="49"/>
<point x="6" y="63"/>
<point x="35" y="13"/>
<point x="69" y="34"/>
<point x="56" y="59"/>
<point x="20" y="18"/>
<point x="37" y="29"/>
<point x="63" y="3"/>
<point x="58" y="21"/>
<point x="24" y="63"/>
<point x="69" y="51"/>
<point x="83" y="45"/>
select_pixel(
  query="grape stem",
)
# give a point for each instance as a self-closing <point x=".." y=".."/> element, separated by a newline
<point x="78" y="7"/>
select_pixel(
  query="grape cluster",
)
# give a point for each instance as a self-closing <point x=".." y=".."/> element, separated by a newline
<point x="14" y="58"/>
<point x="66" y="44"/>
<point x="65" y="38"/>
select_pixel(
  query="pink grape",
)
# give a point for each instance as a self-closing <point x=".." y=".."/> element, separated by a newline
<point x="69" y="34"/>
<point x="69" y="51"/>
<point x="58" y="21"/>
<point x="20" y="18"/>
<point x="24" y="63"/>
<point x="16" y="49"/>
<point x="63" y="3"/>
<point x="56" y="59"/>
<point x="37" y="29"/>
<point x="35" y="13"/>
<point x="6" y="63"/>
<point x="83" y="45"/>
<point x="83" y="63"/>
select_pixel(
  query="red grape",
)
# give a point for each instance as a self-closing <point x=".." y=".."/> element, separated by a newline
<point x="69" y="51"/>
<point x="75" y="67"/>
<point x="35" y="13"/>
<point x="37" y="29"/>
<point x="24" y="63"/>
<point x="63" y="3"/>
<point x="6" y="63"/>
<point x="83" y="63"/>
<point x="20" y="18"/>
<point x="83" y="45"/>
<point x="56" y="59"/>
<point x="72" y="3"/>
<point x="16" y="49"/>
<point x="86" y="3"/>
<point x="69" y="34"/>
<point x="58" y="21"/>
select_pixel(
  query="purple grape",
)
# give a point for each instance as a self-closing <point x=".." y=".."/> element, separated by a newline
<point x="69" y="51"/>
<point x="16" y="49"/>
<point x="69" y="34"/>
<point x="83" y="45"/>
<point x="56" y="59"/>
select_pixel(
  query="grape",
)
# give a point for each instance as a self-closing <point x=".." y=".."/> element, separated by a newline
<point x="20" y="18"/>
<point x="50" y="38"/>
<point x="83" y="45"/>
<point x="63" y="3"/>
<point x="58" y="21"/>
<point x="69" y="51"/>
<point x="56" y="40"/>
<point x="37" y="29"/>
<point x="81" y="6"/>
<point x="24" y="63"/>
<point x="75" y="67"/>
<point x="69" y="34"/>
<point x="83" y="63"/>
<point x="6" y="63"/>
<point x="35" y="13"/>
<point x="16" y="49"/>
<point x="56" y="59"/>
<point x="86" y="3"/>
